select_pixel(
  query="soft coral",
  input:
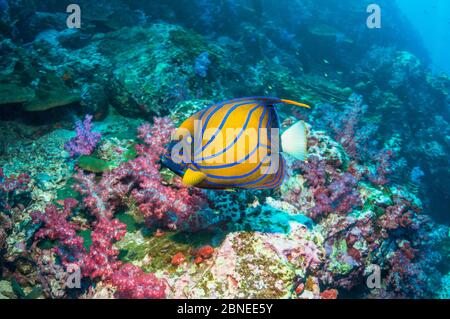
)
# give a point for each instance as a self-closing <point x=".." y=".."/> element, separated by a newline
<point x="101" y="262"/>
<point x="10" y="186"/>
<point x="332" y="190"/>
<point x="140" y="179"/>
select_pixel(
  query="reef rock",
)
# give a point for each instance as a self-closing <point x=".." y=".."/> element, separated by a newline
<point x="254" y="265"/>
<point x="11" y="93"/>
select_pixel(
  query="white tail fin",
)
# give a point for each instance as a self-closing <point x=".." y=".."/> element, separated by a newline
<point x="294" y="141"/>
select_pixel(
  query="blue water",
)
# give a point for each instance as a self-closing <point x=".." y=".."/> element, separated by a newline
<point x="431" y="18"/>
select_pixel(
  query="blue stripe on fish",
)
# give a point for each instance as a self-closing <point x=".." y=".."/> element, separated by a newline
<point x="242" y="160"/>
<point x="239" y="135"/>
<point x="218" y="107"/>
<point x="222" y="125"/>
<point x="251" y="99"/>
<point x="239" y="176"/>
<point x="238" y="184"/>
<point x="276" y="181"/>
<point x="277" y="177"/>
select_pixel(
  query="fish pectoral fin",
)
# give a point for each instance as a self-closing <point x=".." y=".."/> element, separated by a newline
<point x="192" y="178"/>
<point x="294" y="141"/>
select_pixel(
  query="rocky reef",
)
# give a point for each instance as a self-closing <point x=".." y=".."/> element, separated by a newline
<point x="86" y="115"/>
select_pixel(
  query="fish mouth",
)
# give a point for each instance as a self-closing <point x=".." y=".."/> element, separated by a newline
<point x="166" y="160"/>
<point x="175" y="168"/>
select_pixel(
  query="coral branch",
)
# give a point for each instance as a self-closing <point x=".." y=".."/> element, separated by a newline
<point x="85" y="141"/>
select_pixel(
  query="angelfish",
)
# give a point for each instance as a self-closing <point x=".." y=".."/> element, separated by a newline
<point x="236" y="144"/>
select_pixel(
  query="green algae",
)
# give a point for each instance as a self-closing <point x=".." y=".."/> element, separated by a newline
<point x="47" y="244"/>
<point x="6" y="290"/>
<point x="35" y="293"/>
<point x="87" y="238"/>
<point x="130" y="153"/>
<point x="154" y="252"/>
<point x="129" y="221"/>
<point x="93" y="164"/>
<point x="336" y="265"/>
<point x="167" y="175"/>
<point x="67" y="191"/>
<point x="96" y="164"/>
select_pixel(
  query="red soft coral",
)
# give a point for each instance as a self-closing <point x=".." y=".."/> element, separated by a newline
<point x="10" y="186"/>
<point x="140" y="179"/>
<point x="332" y="190"/>
<point x="131" y="282"/>
<point x="101" y="261"/>
<point x="56" y="227"/>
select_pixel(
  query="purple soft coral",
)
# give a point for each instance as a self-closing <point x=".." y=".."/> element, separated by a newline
<point x="332" y="190"/>
<point x="85" y="141"/>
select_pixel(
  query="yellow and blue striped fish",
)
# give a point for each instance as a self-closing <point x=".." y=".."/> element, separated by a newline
<point x="236" y="144"/>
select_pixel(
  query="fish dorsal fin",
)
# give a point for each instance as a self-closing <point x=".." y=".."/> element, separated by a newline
<point x="192" y="178"/>
<point x="294" y="141"/>
<point x="295" y="103"/>
<point x="267" y="100"/>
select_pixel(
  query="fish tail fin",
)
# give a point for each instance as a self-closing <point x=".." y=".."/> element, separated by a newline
<point x="294" y="141"/>
<point x="295" y="103"/>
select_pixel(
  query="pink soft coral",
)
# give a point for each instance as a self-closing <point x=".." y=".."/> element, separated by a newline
<point x="383" y="168"/>
<point x="101" y="262"/>
<point x="131" y="282"/>
<point x="10" y="186"/>
<point x="56" y="227"/>
<point x="155" y="136"/>
<point x="173" y="205"/>
<point x="332" y="190"/>
<point x="140" y="179"/>
<point x="102" y="259"/>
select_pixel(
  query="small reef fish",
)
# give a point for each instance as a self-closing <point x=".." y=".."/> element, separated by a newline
<point x="236" y="144"/>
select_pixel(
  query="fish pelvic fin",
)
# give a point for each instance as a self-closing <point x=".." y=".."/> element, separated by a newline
<point x="193" y="178"/>
<point x="294" y="141"/>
